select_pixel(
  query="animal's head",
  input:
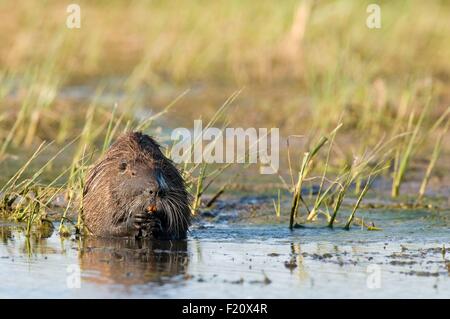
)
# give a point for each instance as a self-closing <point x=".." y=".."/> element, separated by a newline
<point x="139" y="178"/>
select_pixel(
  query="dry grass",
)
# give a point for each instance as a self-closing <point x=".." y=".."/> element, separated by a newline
<point x="306" y="66"/>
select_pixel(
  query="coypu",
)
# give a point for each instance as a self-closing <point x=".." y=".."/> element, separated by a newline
<point x="134" y="190"/>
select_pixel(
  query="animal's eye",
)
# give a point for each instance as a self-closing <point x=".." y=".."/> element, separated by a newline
<point x="123" y="166"/>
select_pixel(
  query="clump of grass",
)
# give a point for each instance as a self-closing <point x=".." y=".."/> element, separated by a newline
<point x="406" y="150"/>
<point x="322" y="195"/>
<point x="199" y="189"/>
<point x="338" y="188"/>
<point x="304" y="167"/>
<point x="349" y="176"/>
<point x="32" y="198"/>
<point x="197" y="181"/>
<point x="202" y="181"/>
<point x="361" y="166"/>
<point x="358" y="202"/>
<point x="433" y="160"/>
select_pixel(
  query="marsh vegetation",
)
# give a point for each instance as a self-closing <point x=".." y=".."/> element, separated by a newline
<point x="363" y="113"/>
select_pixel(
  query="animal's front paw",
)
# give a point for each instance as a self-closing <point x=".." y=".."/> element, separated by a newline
<point x="147" y="225"/>
<point x="139" y="220"/>
<point x="153" y="228"/>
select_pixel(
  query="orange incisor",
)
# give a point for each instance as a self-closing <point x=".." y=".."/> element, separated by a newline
<point x="151" y="208"/>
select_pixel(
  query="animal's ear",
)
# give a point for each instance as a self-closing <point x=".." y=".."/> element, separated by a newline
<point x="123" y="165"/>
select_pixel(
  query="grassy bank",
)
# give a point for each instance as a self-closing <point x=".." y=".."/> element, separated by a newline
<point x="302" y="66"/>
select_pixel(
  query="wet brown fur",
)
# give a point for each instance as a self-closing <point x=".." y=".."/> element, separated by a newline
<point x="131" y="176"/>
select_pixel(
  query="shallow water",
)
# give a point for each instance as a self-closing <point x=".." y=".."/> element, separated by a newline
<point x="223" y="260"/>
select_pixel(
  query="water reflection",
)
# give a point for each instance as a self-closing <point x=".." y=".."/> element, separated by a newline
<point x="6" y="234"/>
<point x="109" y="261"/>
<point x="13" y="236"/>
<point x="132" y="262"/>
<point x="226" y="264"/>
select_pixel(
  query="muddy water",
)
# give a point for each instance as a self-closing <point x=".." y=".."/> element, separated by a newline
<point x="220" y="260"/>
